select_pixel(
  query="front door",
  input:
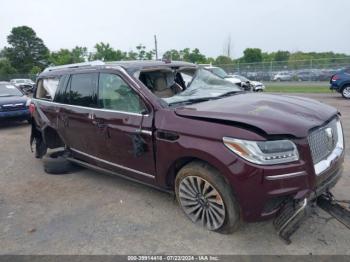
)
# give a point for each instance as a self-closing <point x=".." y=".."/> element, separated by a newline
<point x="123" y="129"/>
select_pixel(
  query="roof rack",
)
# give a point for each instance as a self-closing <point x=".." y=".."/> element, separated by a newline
<point x="77" y="65"/>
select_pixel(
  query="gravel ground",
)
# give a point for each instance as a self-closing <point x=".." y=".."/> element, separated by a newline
<point x="92" y="213"/>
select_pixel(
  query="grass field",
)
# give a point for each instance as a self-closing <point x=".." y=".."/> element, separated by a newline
<point x="296" y="87"/>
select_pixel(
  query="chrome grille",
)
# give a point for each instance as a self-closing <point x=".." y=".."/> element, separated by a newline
<point x="323" y="140"/>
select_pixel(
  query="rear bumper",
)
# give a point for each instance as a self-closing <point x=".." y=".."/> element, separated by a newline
<point x="24" y="113"/>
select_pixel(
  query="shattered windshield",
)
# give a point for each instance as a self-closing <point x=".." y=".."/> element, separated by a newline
<point x="205" y="85"/>
<point x="218" y="71"/>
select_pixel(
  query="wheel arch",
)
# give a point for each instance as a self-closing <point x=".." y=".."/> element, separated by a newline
<point x="180" y="162"/>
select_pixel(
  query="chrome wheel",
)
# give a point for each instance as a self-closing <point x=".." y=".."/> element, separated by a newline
<point x="346" y="92"/>
<point x="202" y="202"/>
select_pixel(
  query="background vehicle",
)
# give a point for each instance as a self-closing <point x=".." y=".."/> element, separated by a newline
<point x="341" y="83"/>
<point x="26" y="85"/>
<point x="222" y="73"/>
<point x="282" y="76"/>
<point x="228" y="155"/>
<point x="13" y="103"/>
<point x="253" y="85"/>
<point x="306" y="75"/>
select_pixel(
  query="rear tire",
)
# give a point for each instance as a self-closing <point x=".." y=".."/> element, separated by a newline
<point x="345" y="92"/>
<point x="206" y="198"/>
<point x="56" y="163"/>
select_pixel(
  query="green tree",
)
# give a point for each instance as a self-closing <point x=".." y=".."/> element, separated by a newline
<point x="66" y="56"/>
<point x="223" y="60"/>
<point x="105" y="52"/>
<point x="172" y="55"/>
<point x="252" y="55"/>
<point x="193" y="56"/>
<point x="26" y="49"/>
<point x="6" y="69"/>
<point x="281" y="56"/>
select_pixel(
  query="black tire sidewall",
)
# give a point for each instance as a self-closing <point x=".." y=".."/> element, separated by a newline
<point x="55" y="163"/>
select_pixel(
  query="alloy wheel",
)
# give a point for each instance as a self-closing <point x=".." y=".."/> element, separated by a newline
<point x="201" y="202"/>
<point x="346" y="92"/>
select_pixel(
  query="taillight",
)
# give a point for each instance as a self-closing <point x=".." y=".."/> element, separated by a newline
<point x="32" y="108"/>
<point x="335" y="78"/>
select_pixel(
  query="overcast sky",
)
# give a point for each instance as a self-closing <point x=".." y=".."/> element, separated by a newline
<point x="294" y="25"/>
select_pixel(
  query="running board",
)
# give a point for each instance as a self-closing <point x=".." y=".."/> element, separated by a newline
<point x="331" y="206"/>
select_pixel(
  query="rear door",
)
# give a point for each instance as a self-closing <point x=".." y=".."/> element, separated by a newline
<point x="124" y="128"/>
<point x="75" y="122"/>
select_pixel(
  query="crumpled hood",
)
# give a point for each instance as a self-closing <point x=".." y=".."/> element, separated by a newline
<point x="273" y="114"/>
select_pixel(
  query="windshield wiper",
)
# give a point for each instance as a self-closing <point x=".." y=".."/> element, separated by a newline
<point x="230" y="93"/>
<point x="191" y="101"/>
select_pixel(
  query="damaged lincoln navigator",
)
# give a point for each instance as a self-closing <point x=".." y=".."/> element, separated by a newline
<point x="228" y="155"/>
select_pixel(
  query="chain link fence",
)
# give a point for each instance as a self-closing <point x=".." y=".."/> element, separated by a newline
<point x="297" y="70"/>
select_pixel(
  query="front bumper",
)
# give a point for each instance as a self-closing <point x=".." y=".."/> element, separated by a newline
<point x="261" y="197"/>
<point x="23" y="113"/>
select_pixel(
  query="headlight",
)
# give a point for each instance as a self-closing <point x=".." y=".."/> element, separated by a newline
<point x="263" y="152"/>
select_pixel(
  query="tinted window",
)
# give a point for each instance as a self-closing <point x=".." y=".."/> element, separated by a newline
<point x="115" y="94"/>
<point x="83" y="89"/>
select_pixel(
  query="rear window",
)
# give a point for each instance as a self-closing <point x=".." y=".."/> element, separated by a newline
<point x="83" y="89"/>
<point x="47" y="87"/>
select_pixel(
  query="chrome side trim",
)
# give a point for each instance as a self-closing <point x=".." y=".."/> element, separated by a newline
<point x="284" y="176"/>
<point x="113" y="164"/>
<point x="324" y="164"/>
<point x="89" y="108"/>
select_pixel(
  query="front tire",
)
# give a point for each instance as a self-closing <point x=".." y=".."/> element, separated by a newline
<point x="206" y="198"/>
<point x="345" y="92"/>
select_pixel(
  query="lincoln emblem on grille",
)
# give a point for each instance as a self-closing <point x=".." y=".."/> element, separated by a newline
<point x="329" y="136"/>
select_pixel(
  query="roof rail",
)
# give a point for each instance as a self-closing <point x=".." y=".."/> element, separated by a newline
<point x="77" y="65"/>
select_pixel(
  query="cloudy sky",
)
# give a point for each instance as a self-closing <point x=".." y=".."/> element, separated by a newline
<point x="294" y="25"/>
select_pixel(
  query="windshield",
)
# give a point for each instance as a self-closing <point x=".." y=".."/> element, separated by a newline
<point x="204" y="86"/>
<point x="9" y="90"/>
<point x="218" y="71"/>
<point x="242" y="78"/>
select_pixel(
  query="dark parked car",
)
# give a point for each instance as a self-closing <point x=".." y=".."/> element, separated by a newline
<point x="306" y="76"/>
<point x="341" y="83"/>
<point x="13" y="103"/>
<point x="229" y="155"/>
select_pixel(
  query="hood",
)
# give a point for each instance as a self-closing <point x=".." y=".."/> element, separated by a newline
<point x="273" y="114"/>
<point x="233" y="80"/>
<point x="13" y="100"/>
<point x="255" y="83"/>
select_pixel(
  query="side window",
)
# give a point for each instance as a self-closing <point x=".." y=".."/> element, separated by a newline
<point x="115" y="94"/>
<point x="83" y="89"/>
<point x="46" y="88"/>
<point x="60" y="96"/>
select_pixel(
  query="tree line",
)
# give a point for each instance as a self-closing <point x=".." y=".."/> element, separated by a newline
<point x="26" y="53"/>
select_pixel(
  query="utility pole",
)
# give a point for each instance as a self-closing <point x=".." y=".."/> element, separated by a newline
<point x="156" y="46"/>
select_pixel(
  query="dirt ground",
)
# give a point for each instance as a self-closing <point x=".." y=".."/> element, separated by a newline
<point x="92" y="213"/>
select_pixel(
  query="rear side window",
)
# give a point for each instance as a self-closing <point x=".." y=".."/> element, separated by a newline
<point x="47" y="87"/>
<point x="83" y="89"/>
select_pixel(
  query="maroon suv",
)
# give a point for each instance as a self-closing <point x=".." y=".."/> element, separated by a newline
<point x="229" y="155"/>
